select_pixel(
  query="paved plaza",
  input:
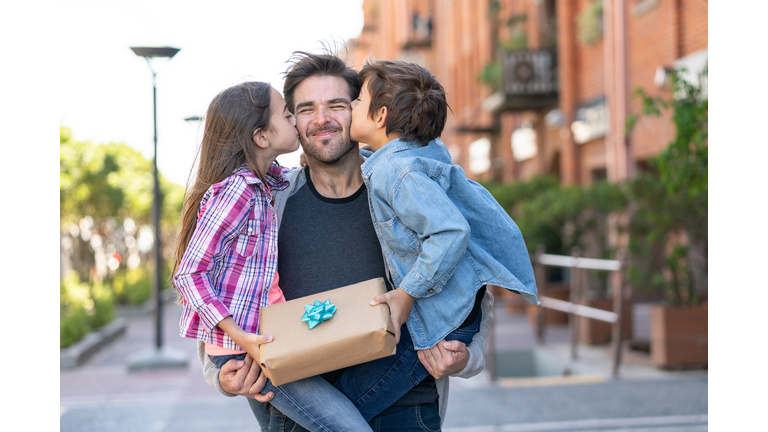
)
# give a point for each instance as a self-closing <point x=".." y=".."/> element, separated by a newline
<point x="101" y="395"/>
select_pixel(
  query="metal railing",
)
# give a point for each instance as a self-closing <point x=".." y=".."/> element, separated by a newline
<point x="572" y="307"/>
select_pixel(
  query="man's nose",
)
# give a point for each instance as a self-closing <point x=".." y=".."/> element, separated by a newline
<point x="322" y="116"/>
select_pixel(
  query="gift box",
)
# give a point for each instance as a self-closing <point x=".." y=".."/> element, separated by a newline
<point x="356" y="333"/>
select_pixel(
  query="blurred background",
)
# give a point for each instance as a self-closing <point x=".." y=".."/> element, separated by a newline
<point x="586" y="119"/>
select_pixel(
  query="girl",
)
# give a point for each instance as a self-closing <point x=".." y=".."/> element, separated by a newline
<point x="227" y="244"/>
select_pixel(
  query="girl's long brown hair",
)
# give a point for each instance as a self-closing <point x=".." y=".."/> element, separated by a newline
<point x="231" y="119"/>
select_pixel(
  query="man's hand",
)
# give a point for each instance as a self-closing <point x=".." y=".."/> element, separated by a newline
<point x="244" y="377"/>
<point x="400" y="305"/>
<point x="445" y="358"/>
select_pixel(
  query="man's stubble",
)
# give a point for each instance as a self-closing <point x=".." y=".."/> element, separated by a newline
<point x="326" y="151"/>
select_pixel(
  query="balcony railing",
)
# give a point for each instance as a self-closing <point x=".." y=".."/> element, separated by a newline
<point x="529" y="81"/>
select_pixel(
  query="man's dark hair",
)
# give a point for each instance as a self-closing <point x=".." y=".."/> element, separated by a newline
<point x="416" y="105"/>
<point x="304" y="65"/>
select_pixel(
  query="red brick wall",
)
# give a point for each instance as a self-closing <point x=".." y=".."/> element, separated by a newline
<point x="694" y="25"/>
<point x="462" y="44"/>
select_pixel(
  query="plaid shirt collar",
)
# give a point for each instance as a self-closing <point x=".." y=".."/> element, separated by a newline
<point x="274" y="177"/>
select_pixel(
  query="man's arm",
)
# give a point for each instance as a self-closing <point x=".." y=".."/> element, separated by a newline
<point x="236" y="377"/>
<point x="456" y="359"/>
<point x="476" y="362"/>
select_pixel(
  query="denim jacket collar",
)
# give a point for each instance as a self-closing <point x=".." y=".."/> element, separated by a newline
<point x="393" y="146"/>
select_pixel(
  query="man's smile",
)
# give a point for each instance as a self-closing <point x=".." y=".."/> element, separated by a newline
<point x="324" y="133"/>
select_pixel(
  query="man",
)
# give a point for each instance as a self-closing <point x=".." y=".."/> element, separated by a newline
<point x="327" y="240"/>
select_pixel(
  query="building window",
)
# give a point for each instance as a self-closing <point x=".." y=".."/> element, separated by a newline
<point x="480" y="156"/>
<point x="599" y="174"/>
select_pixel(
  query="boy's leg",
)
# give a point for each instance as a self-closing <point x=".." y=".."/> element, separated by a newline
<point x="376" y="385"/>
<point x="316" y="405"/>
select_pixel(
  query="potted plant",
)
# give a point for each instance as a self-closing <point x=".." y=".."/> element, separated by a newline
<point x="668" y="229"/>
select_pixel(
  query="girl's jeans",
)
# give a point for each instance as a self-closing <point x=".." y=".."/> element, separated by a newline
<point x="312" y="403"/>
<point x="370" y="388"/>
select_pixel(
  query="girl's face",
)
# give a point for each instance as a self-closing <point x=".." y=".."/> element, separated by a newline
<point x="283" y="137"/>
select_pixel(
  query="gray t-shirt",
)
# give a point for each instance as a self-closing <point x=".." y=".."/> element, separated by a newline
<point x="326" y="243"/>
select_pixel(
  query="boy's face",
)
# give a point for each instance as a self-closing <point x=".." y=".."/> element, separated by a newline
<point x="363" y="126"/>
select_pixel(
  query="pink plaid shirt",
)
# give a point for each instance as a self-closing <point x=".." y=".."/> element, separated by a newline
<point x="231" y="260"/>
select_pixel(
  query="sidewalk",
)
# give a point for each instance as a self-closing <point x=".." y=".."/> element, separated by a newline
<point x="101" y="395"/>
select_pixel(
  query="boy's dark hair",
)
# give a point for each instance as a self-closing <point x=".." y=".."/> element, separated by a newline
<point x="304" y="65"/>
<point x="416" y="105"/>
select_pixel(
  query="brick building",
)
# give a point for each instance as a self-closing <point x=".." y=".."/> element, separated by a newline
<point x="543" y="86"/>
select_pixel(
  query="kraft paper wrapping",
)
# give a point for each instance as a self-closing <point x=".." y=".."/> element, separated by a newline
<point x="357" y="333"/>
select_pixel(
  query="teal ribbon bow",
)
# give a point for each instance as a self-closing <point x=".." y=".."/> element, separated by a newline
<point x="317" y="313"/>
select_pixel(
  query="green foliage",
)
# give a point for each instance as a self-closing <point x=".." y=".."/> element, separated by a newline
<point x="518" y="37"/>
<point x="132" y="286"/>
<point x="508" y="195"/>
<point x="492" y="76"/>
<point x="108" y="183"/>
<point x="82" y="308"/>
<point x="589" y="23"/>
<point x="556" y="216"/>
<point x="111" y="180"/>
<point x="518" y="41"/>
<point x="670" y="217"/>
<point x="73" y="315"/>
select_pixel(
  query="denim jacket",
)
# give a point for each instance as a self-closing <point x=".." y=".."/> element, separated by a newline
<point x="441" y="231"/>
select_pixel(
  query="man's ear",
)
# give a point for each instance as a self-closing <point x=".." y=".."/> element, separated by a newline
<point x="381" y="120"/>
<point x="260" y="139"/>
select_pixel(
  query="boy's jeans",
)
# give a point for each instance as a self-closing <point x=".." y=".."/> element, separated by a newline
<point x="376" y="385"/>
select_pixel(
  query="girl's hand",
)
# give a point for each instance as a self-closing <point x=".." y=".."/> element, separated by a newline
<point x="248" y="341"/>
<point x="251" y="343"/>
<point x="400" y="304"/>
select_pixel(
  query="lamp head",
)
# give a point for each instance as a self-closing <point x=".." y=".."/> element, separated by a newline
<point x="152" y="52"/>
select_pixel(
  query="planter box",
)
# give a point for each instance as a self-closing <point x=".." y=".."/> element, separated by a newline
<point x="594" y="332"/>
<point x="559" y="292"/>
<point x="679" y="336"/>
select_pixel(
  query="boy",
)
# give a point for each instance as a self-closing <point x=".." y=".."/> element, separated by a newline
<point x="438" y="229"/>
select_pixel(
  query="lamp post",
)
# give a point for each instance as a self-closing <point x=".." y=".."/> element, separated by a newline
<point x="157" y="357"/>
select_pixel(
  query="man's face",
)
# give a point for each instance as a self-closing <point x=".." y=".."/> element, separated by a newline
<point x="323" y="118"/>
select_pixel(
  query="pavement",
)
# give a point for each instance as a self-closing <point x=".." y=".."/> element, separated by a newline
<point x="102" y="395"/>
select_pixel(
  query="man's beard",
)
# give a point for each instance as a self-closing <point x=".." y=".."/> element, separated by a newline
<point x="326" y="151"/>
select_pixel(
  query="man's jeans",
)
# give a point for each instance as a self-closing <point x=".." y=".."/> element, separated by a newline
<point x="414" y="418"/>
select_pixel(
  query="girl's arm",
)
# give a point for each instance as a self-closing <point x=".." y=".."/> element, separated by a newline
<point x="248" y="341"/>
<point x="219" y="219"/>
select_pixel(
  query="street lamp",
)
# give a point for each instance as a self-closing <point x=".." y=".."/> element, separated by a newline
<point x="157" y="357"/>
